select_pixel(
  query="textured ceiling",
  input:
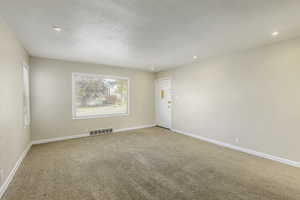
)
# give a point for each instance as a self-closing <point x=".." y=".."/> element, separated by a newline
<point x="148" y="33"/>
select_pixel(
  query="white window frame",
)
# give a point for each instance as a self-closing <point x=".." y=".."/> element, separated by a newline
<point x="26" y="89"/>
<point x="74" y="117"/>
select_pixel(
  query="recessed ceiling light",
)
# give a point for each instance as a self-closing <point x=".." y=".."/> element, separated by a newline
<point x="57" y="28"/>
<point x="195" y="57"/>
<point x="275" y="33"/>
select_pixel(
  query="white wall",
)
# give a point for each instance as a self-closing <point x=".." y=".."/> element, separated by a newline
<point x="51" y="97"/>
<point x="251" y="95"/>
<point x="14" y="138"/>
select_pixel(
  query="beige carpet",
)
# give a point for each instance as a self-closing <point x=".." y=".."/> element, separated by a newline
<point x="149" y="164"/>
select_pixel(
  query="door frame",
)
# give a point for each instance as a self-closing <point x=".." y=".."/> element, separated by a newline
<point x="156" y="99"/>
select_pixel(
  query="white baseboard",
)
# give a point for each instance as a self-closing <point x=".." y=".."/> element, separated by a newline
<point x="12" y="173"/>
<point x="134" y="128"/>
<point x="43" y="141"/>
<point x="245" y="150"/>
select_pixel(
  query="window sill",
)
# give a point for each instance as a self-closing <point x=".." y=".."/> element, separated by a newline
<point x="99" y="116"/>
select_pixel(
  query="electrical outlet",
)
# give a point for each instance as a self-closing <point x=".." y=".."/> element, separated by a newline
<point x="1" y="175"/>
<point x="237" y="140"/>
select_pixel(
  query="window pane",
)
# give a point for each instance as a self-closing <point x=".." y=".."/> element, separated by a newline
<point x="26" y="100"/>
<point x="100" y="95"/>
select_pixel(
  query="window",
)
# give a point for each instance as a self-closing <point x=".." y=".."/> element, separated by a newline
<point x="26" y="94"/>
<point x="99" y="96"/>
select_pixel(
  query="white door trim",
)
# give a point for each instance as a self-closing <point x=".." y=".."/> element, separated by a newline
<point x="156" y="100"/>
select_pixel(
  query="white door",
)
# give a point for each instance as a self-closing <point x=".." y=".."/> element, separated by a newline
<point x="163" y="102"/>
